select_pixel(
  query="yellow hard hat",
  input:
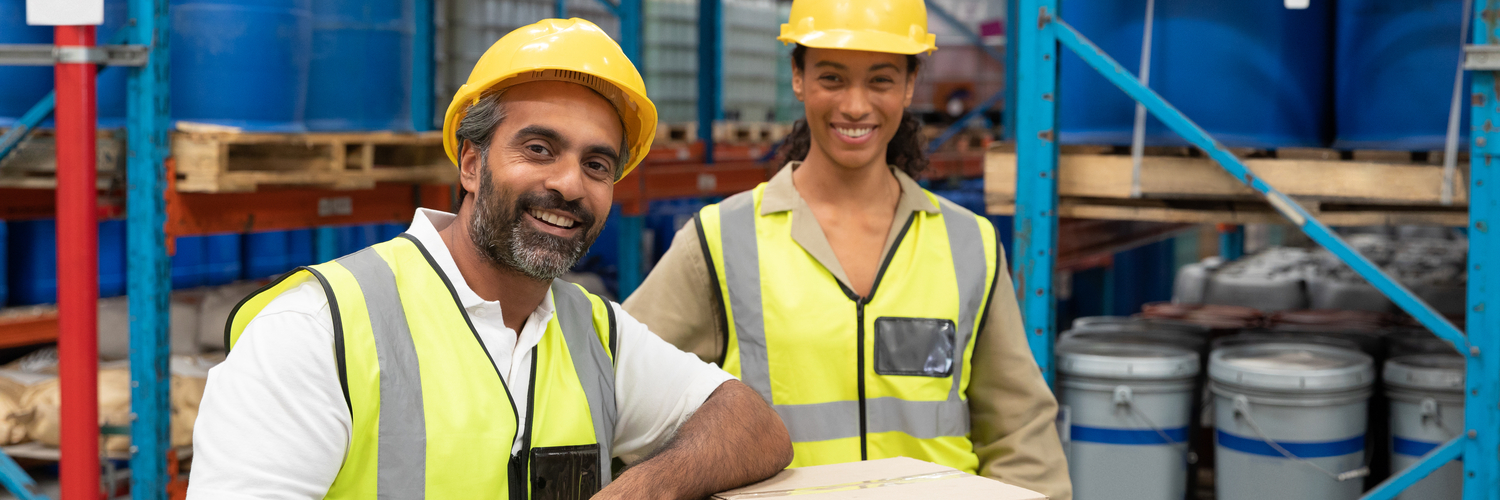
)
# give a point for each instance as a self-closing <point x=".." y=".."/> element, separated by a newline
<point x="572" y="50"/>
<point x="894" y="26"/>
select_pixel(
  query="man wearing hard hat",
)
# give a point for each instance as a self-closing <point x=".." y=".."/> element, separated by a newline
<point x="450" y="362"/>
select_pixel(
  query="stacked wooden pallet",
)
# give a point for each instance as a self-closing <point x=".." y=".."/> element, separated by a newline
<point x="1182" y="185"/>
<point x="729" y="132"/>
<point x="229" y="161"/>
<point x="33" y="164"/>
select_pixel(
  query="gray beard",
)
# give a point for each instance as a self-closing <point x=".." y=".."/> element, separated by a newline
<point x="505" y="239"/>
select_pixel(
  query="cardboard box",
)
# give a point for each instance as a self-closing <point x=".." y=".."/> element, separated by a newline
<point x="892" y="478"/>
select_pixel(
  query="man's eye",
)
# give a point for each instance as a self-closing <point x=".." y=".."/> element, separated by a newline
<point x="537" y="148"/>
<point x="829" y="78"/>
<point x="600" y="166"/>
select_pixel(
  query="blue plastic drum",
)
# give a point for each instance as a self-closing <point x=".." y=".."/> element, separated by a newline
<point x="241" y="63"/>
<point x="1393" y="73"/>
<point x="221" y="258"/>
<point x="267" y="254"/>
<point x="1254" y="74"/>
<point x="360" y="77"/>
<point x="24" y="85"/>
<point x="188" y="262"/>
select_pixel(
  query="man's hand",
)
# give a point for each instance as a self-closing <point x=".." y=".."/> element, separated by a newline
<point x="734" y="439"/>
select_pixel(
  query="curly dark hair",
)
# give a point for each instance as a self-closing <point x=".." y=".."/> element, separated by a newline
<point x="905" y="151"/>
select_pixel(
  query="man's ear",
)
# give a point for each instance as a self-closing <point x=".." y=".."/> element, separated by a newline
<point x="468" y="167"/>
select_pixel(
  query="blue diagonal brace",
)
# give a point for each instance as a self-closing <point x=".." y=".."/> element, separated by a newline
<point x="1438" y="457"/>
<point x="17" y="481"/>
<point x="1179" y="123"/>
<point x="952" y="130"/>
<point x="28" y="122"/>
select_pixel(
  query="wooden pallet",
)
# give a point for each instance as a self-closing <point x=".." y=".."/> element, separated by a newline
<point x="675" y="134"/>
<point x="228" y="161"/>
<point x="1180" y="185"/>
<point x="750" y="132"/>
<point x="33" y="163"/>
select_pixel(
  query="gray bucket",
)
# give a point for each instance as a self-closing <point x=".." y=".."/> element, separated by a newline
<point x="1291" y="421"/>
<point x="1427" y="410"/>
<point x="1127" y="411"/>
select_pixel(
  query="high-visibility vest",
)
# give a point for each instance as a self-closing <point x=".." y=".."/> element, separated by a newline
<point x="856" y="378"/>
<point x="431" y="415"/>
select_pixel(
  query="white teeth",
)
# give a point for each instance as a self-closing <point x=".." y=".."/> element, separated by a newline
<point x="854" y="133"/>
<point x="552" y="219"/>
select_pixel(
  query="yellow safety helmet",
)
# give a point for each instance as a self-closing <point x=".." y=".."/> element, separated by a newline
<point x="571" y="50"/>
<point x="894" y="26"/>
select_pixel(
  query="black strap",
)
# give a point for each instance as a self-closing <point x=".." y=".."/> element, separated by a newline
<point x="713" y="280"/>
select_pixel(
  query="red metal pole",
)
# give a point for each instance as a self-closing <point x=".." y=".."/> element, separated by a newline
<point x="77" y="269"/>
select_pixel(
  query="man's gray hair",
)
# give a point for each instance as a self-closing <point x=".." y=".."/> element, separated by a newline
<point x="484" y="116"/>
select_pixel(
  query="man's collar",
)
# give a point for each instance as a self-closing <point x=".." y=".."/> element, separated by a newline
<point x="781" y="195"/>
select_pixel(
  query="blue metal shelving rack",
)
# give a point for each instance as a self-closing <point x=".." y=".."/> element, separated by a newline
<point x="1039" y="33"/>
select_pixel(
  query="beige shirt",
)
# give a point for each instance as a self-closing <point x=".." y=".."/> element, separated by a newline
<point x="1011" y="408"/>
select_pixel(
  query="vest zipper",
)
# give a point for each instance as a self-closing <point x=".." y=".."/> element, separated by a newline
<point x="859" y="329"/>
<point x="859" y="307"/>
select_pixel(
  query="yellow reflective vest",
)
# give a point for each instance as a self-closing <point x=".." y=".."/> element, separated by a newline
<point x="431" y="415"/>
<point x="856" y="378"/>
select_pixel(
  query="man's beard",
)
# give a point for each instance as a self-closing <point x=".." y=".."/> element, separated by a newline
<point x="499" y="230"/>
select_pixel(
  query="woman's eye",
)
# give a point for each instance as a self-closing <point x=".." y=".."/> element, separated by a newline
<point x="829" y="78"/>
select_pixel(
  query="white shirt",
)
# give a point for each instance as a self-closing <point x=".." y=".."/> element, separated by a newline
<point x="274" y="424"/>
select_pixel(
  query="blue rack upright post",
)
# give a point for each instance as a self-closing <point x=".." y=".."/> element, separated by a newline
<point x="1040" y="34"/>
<point x="149" y="272"/>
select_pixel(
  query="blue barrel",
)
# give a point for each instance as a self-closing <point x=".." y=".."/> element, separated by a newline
<point x="1393" y="73"/>
<point x="221" y="258"/>
<point x="241" y="63"/>
<point x="390" y="230"/>
<point x="357" y="237"/>
<point x="24" y="85"/>
<point x="300" y="248"/>
<point x="266" y="254"/>
<point x="1254" y="74"/>
<point x="111" y="82"/>
<point x="112" y="258"/>
<point x="31" y="263"/>
<point x="360" y="76"/>
<point x="188" y="262"/>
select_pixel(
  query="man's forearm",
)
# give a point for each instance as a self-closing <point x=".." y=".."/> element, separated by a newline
<point x="734" y="439"/>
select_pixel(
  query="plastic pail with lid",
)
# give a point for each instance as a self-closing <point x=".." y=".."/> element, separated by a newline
<point x="1427" y="409"/>
<point x="1291" y="421"/>
<point x="1128" y="412"/>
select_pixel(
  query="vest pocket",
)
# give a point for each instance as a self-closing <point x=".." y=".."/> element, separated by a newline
<point x="921" y="347"/>
<point x="565" y="472"/>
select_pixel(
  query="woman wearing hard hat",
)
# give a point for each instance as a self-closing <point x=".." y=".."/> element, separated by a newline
<point x="876" y="317"/>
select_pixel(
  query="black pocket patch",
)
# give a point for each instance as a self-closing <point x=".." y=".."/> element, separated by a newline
<point x="565" y="472"/>
<point x="920" y="347"/>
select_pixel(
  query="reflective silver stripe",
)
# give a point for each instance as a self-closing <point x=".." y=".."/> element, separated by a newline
<point x="969" y="266"/>
<point x="575" y="317"/>
<point x="918" y="419"/>
<point x="401" y="461"/>
<point x="742" y="273"/>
